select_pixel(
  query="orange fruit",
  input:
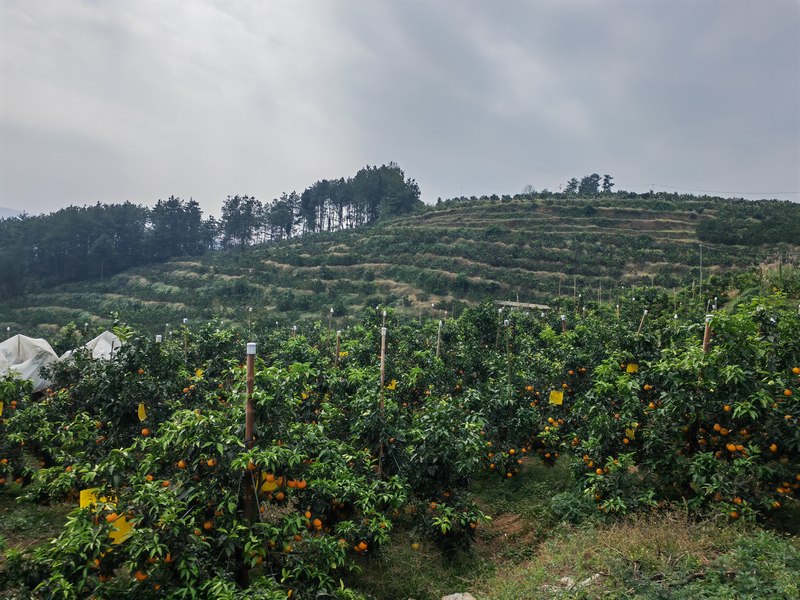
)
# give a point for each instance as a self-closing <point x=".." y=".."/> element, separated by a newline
<point x="362" y="545"/>
<point x="599" y="471"/>
<point x="110" y="518"/>
<point x="148" y="477"/>
<point x="181" y="464"/>
<point x="165" y="483"/>
<point x="208" y="525"/>
<point x="773" y="448"/>
<point x="145" y="432"/>
<point x="787" y="392"/>
<point x="140" y="575"/>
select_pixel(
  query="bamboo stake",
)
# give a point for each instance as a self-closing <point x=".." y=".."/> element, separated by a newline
<point x="439" y="338"/>
<point x="563" y="323"/>
<point x="336" y="355"/>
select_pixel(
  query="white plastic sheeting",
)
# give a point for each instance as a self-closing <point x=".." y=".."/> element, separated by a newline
<point x="26" y="356"/>
<point x="103" y="346"/>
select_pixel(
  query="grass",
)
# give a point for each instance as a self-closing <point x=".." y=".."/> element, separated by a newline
<point x="23" y="525"/>
<point x="528" y="552"/>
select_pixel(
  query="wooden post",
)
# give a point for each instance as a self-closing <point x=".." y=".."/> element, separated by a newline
<point x="507" y="326"/>
<point x="575" y="290"/>
<point x="707" y="335"/>
<point x="382" y="406"/>
<point x="248" y="481"/>
<point x="563" y="323"/>
<point x="330" y="319"/>
<point x="336" y="355"/>
<point x="185" y="337"/>
<point x="644" y="314"/>
<point x="249" y="411"/>
<point x="439" y="338"/>
<point x="617" y="312"/>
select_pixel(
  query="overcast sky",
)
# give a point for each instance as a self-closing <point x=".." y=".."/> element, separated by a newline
<point x="106" y="100"/>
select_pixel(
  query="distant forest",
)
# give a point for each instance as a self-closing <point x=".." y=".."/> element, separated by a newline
<point x="89" y="242"/>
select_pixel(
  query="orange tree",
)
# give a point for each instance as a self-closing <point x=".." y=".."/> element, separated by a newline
<point x="14" y="394"/>
<point x="717" y="429"/>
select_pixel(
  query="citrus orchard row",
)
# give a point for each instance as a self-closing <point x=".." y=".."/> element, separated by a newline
<point x="182" y="506"/>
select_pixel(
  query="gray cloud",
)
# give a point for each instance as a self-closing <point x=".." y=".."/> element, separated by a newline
<point x="117" y="100"/>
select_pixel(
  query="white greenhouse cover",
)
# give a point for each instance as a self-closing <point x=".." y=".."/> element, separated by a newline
<point x="26" y="356"/>
<point x="103" y="346"/>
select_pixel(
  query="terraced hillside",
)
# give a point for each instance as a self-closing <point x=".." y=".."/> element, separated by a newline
<point x="527" y="249"/>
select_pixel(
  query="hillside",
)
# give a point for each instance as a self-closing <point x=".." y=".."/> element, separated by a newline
<point x="456" y="253"/>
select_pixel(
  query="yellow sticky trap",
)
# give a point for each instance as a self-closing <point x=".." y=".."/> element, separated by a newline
<point x="557" y="398"/>
<point x="269" y="486"/>
<point x="141" y="412"/>
<point x="1" y="408"/>
<point x="88" y="497"/>
<point x="121" y="528"/>
<point x="121" y="531"/>
<point x="632" y="368"/>
<point x="630" y="433"/>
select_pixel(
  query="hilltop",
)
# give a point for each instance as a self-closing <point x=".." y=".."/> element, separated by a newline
<point x="528" y="248"/>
